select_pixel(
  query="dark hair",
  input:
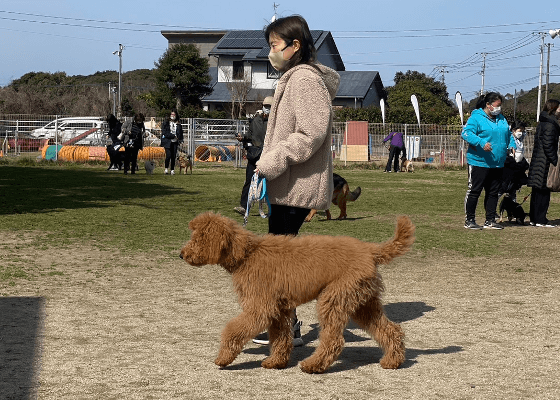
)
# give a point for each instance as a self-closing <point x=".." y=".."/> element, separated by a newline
<point x="112" y="120"/>
<point x="551" y="106"/>
<point x="177" y="118"/>
<point x="138" y="118"/>
<point x="518" y="125"/>
<point x="293" y="28"/>
<point x="489" y="97"/>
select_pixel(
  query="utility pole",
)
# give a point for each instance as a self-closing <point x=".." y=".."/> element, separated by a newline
<point x="547" y="71"/>
<point x="483" y="71"/>
<point x="543" y="34"/>
<point x="443" y="72"/>
<point x="119" y="52"/>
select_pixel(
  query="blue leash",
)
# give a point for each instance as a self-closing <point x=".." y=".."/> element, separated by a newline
<point x="257" y="192"/>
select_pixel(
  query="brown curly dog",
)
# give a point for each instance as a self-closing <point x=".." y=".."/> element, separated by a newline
<point x="272" y="275"/>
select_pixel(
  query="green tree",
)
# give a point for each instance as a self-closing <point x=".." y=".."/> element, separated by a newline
<point x="182" y="78"/>
<point x="433" y="99"/>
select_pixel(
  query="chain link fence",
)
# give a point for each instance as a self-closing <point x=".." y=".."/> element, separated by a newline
<point x="214" y="140"/>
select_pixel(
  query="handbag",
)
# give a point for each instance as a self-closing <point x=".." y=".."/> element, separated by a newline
<point x="553" y="180"/>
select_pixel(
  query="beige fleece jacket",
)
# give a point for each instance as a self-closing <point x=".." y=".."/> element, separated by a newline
<point x="297" y="159"/>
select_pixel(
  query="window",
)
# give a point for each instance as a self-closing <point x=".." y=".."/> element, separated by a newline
<point x="238" y="71"/>
<point x="271" y="72"/>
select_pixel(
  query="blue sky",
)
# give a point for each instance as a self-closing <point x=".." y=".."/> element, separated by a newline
<point x="427" y="36"/>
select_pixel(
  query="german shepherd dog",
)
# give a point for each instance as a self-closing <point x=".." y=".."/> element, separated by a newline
<point x="341" y="195"/>
<point x="185" y="161"/>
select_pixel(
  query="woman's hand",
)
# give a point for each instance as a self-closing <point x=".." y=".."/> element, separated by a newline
<point x="487" y="147"/>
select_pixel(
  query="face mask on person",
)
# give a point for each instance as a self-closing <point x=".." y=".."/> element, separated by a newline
<point x="496" y="110"/>
<point x="173" y="117"/>
<point x="277" y="59"/>
<point x="518" y="134"/>
<point x="266" y="110"/>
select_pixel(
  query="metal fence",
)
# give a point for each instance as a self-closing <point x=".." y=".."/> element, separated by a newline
<point x="215" y="139"/>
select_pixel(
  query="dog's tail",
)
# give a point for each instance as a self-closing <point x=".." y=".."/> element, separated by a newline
<point x="353" y="196"/>
<point x="404" y="237"/>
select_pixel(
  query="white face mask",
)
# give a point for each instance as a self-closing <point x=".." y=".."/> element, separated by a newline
<point x="496" y="111"/>
<point x="518" y="134"/>
<point x="277" y="59"/>
<point x="266" y="110"/>
<point x="173" y="117"/>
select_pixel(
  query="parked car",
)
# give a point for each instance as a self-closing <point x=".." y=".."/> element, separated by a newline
<point x="72" y="130"/>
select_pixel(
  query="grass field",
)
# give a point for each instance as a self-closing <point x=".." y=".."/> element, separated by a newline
<point x="95" y="303"/>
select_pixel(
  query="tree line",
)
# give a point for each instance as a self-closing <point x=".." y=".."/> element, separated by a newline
<point x="181" y="78"/>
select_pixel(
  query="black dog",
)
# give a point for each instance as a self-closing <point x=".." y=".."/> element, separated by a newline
<point x="513" y="209"/>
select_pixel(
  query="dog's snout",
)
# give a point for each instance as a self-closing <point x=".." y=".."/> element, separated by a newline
<point x="181" y="256"/>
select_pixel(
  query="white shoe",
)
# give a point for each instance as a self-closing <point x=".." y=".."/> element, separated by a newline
<point x="166" y="171"/>
<point x="545" y="226"/>
<point x="172" y="172"/>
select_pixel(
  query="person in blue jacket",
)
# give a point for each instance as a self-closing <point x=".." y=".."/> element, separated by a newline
<point x="489" y="137"/>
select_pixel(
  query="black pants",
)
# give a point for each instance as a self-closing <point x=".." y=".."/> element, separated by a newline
<point x="249" y="172"/>
<point x="171" y="155"/>
<point x="130" y="157"/>
<point x="489" y="179"/>
<point x="540" y="200"/>
<point x="394" y="153"/>
<point x="114" y="157"/>
<point x="286" y="220"/>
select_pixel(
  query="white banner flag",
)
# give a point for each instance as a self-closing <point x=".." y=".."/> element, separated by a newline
<point x="382" y="106"/>
<point x="459" y="101"/>
<point x="414" y="101"/>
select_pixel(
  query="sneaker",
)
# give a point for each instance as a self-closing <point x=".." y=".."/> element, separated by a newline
<point x="240" y="210"/>
<point x="298" y="341"/>
<point x="166" y="171"/>
<point x="547" y="225"/>
<point x="471" y="224"/>
<point x="113" y="168"/>
<point x="261" y="339"/>
<point x="492" y="225"/>
<point x="172" y="172"/>
<point x="531" y="223"/>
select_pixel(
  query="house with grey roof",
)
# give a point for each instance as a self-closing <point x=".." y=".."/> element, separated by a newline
<point x="240" y="67"/>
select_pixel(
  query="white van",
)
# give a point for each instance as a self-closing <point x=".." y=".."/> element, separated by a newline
<point x="91" y="128"/>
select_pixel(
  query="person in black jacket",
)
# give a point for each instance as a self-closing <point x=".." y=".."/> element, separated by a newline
<point x="171" y="138"/>
<point x="134" y="144"/>
<point x="112" y="149"/>
<point x="545" y="152"/>
<point x="253" y="144"/>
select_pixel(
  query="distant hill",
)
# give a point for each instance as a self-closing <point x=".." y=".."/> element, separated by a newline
<point x="58" y="93"/>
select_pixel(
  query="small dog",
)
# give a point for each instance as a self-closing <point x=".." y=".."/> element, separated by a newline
<point x="341" y="195"/>
<point x="406" y="165"/>
<point x="185" y="161"/>
<point x="149" y="166"/>
<point x="274" y="274"/>
<point x="513" y="209"/>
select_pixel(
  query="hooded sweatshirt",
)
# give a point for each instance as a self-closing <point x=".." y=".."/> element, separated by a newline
<point x="481" y="129"/>
<point x="296" y="159"/>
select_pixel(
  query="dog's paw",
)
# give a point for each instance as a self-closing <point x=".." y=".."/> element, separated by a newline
<point x="392" y="362"/>
<point x="312" y="367"/>
<point x="274" y="363"/>
<point x="224" y="358"/>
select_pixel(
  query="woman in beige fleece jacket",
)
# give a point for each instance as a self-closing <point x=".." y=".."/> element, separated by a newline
<point x="296" y="159"/>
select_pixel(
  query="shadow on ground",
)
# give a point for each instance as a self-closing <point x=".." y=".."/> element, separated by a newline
<point x="356" y="356"/>
<point x="27" y="189"/>
<point x="20" y="347"/>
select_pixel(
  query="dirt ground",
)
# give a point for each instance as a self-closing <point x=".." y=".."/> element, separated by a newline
<point x="87" y="325"/>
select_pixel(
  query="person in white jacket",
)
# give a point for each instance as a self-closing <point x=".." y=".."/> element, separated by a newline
<point x="296" y="159"/>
